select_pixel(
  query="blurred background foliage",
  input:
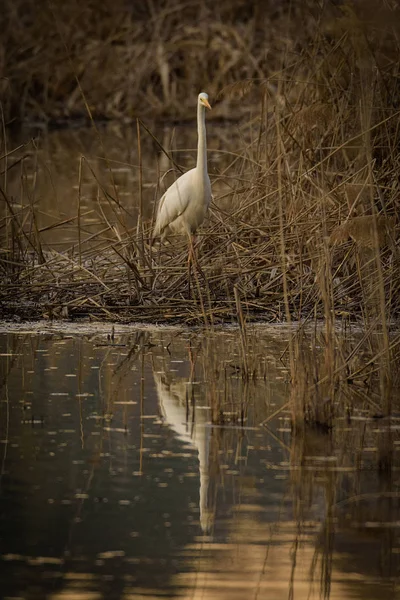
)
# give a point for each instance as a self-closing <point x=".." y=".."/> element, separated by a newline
<point x="60" y="59"/>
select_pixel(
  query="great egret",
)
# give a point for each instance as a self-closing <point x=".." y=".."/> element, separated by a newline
<point x="184" y="205"/>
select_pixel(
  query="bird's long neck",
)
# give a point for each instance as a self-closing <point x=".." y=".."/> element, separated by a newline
<point x="201" y="141"/>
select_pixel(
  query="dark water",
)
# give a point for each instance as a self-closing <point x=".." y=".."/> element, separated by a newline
<point x="145" y="465"/>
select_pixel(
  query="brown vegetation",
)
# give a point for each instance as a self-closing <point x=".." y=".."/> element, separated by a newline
<point x="59" y="59"/>
<point x="316" y="172"/>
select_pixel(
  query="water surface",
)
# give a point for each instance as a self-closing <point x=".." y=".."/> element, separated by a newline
<point x="143" y="464"/>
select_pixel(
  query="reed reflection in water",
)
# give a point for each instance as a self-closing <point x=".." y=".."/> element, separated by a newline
<point x="144" y="464"/>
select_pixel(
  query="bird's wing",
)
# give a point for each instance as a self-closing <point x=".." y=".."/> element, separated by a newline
<point x="174" y="202"/>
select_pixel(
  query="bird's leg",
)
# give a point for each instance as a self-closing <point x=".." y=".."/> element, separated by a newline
<point x="190" y="250"/>
<point x="158" y="262"/>
<point x="195" y="260"/>
<point x="197" y="270"/>
<point x="192" y="260"/>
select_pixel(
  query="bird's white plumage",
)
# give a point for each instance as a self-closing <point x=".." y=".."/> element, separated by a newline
<point x="184" y="205"/>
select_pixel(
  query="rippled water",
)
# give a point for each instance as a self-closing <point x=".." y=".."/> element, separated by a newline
<point x="142" y="464"/>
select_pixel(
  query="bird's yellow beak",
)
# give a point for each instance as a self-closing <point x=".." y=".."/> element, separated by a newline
<point x="206" y="103"/>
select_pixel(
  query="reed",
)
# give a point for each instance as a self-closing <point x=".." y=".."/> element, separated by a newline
<point x="304" y="220"/>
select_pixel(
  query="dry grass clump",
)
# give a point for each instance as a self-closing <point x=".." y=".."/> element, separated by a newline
<point x="367" y="231"/>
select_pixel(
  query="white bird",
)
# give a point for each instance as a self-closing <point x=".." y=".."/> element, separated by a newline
<point x="184" y="205"/>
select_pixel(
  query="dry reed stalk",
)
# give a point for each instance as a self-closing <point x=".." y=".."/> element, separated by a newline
<point x="78" y="216"/>
<point x="243" y="335"/>
<point x="139" y="225"/>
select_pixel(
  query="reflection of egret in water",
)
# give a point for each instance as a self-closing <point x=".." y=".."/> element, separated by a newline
<point x="178" y="408"/>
